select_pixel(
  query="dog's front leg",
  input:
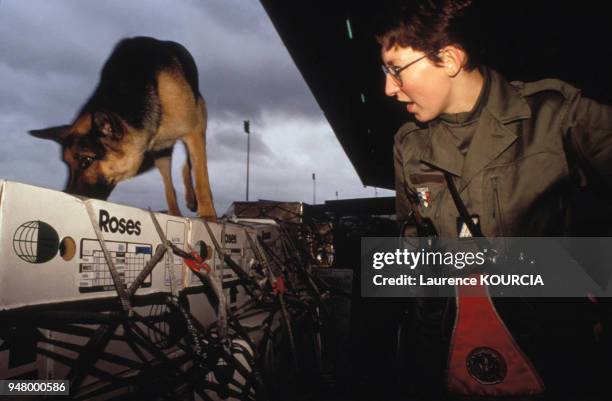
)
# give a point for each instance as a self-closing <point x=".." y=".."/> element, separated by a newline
<point x="164" y="165"/>
<point x="196" y="147"/>
<point x="190" y="196"/>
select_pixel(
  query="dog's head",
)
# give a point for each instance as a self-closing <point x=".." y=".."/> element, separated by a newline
<point x="96" y="151"/>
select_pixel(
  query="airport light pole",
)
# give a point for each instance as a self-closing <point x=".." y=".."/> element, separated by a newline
<point x="247" y="131"/>
<point x="314" y="189"/>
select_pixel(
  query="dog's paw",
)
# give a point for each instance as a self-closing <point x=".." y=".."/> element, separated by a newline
<point x="211" y="218"/>
<point x="192" y="203"/>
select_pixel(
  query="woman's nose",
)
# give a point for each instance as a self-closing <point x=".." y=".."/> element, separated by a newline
<point x="391" y="86"/>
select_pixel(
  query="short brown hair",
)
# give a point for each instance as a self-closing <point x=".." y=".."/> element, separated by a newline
<point x="430" y="25"/>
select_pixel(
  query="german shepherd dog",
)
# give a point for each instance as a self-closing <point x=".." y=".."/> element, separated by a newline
<point x="146" y="100"/>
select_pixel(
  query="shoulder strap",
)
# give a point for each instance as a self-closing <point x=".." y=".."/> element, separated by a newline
<point x="477" y="234"/>
<point x="463" y="212"/>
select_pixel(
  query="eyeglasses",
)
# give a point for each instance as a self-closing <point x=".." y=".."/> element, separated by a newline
<point x="395" y="71"/>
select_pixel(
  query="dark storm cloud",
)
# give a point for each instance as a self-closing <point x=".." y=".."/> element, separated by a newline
<point x="247" y="17"/>
<point x="244" y="67"/>
<point x="262" y="88"/>
<point x="41" y="39"/>
<point x="232" y="143"/>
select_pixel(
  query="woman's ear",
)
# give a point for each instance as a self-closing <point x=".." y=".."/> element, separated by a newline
<point x="454" y="59"/>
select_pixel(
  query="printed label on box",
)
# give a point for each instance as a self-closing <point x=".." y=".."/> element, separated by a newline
<point x="129" y="260"/>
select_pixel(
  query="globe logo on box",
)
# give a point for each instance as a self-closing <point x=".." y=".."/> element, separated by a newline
<point x="36" y="242"/>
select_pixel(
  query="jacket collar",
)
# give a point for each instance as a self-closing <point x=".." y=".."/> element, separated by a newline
<point x="493" y="135"/>
<point x="505" y="103"/>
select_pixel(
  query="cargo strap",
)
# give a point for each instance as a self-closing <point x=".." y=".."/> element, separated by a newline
<point x="484" y="359"/>
<point x="291" y="251"/>
<point x="144" y="273"/>
<point x="261" y="257"/>
<point x="218" y="277"/>
<point x="117" y="279"/>
<point x="159" y="254"/>
<point x="169" y="248"/>
<point x="219" y="357"/>
<point x="212" y="279"/>
<point x="248" y="283"/>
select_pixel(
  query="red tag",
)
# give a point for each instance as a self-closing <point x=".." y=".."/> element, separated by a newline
<point x="279" y="285"/>
<point x="198" y="264"/>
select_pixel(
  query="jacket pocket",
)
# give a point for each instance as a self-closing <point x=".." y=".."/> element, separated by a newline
<point x="524" y="195"/>
<point x="497" y="209"/>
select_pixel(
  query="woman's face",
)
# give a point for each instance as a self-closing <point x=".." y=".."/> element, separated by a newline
<point x="425" y="87"/>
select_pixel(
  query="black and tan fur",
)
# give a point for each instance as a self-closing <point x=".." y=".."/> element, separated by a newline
<point x="147" y="99"/>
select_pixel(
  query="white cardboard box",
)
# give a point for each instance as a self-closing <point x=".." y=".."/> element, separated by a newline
<point x="33" y="223"/>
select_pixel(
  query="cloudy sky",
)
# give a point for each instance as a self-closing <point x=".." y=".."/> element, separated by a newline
<point x="51" y="53"/>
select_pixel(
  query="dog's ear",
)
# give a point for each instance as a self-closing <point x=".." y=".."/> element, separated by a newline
<point x="57" y="134"/>
<point x="108" y="124"/>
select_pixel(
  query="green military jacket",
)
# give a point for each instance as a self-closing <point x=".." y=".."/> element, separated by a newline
<point x="534" y="144"/>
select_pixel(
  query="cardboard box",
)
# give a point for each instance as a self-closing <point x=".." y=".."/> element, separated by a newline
<point x="50" y="252"/>
<point x="290" y="212"/>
